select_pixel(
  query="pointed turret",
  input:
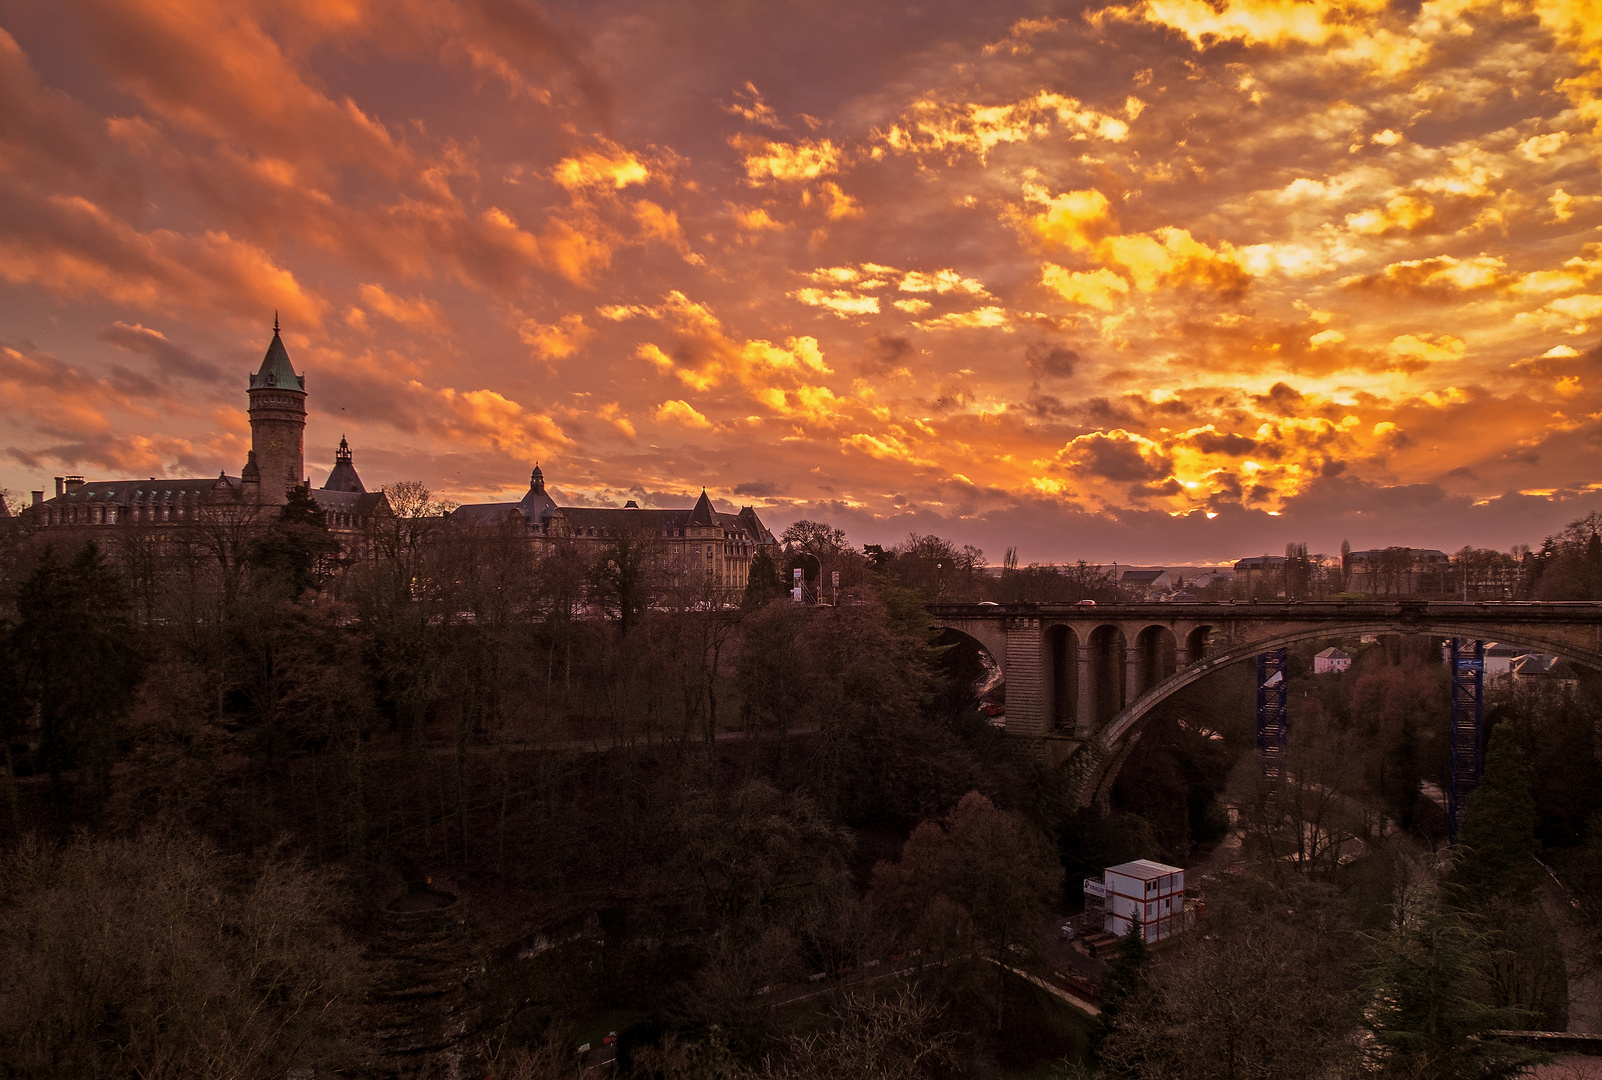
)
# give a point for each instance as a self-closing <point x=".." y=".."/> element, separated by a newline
<point x="344" y="477"/>
<point x="276" y="370"/>
<point x="278" y="422"/>
<point x="536" y="505"/>
<point x="703" y="514"/>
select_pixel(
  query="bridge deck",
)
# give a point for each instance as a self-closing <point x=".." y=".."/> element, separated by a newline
<point x="1335" y="610"/>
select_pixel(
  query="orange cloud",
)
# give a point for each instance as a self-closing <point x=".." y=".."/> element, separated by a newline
<point x="555" y="341"/>
<point x="419" y="312"/>
<point x="75" y="248"/>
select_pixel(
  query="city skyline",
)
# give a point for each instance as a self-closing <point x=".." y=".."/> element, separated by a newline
<point x="1158" y="282"/>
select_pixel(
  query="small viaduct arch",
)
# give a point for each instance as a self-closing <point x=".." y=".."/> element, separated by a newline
<point x="1082" y="680"/>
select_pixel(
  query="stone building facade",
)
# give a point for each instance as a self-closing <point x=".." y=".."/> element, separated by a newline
<point x="274" y="466"/>
<point x="696" y="541"/>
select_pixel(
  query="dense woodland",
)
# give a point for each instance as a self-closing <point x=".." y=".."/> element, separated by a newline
<point x="450" y="811"/>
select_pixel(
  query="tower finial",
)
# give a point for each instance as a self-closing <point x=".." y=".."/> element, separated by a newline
<point x="275" y="320"/>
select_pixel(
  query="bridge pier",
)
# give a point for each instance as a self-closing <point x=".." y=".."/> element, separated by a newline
<point x="1026" y="713"/>
<point x="1134" y="655"/>
<point x="1085" y="710"/>
<point x="1273" y="728"/>
<point x="1468" y="725"/>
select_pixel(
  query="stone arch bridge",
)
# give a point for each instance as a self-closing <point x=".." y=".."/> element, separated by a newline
<point x="1082" y="679"/>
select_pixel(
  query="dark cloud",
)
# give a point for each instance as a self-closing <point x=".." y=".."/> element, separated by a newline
<point x="522" y="29"/>
<point x="886" y="352"/>
<point x="1049" y="361"/>
<point x="760" y="489"/>
<point x="1120" y="458"/>
<point x="171" y="359"/>
<point x="1282" y="400"/>
<point x="1218" y="442"/>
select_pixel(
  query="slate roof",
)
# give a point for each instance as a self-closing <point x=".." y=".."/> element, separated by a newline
<point x="129" y="492"/>
<point x="703" y="514"/>
<point x="1544" y="665"/>
<point x="1333" y="653"/>
<point x="276" y="370"/>
<point x="485" y="513"/>
<point x="344" y="477"/>
<point x="1144" y="870"/>
<point x="536" y="505"/>
<point x="348" y="502"/>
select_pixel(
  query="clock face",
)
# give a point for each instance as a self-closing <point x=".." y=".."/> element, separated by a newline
<point x="274" y="441"/>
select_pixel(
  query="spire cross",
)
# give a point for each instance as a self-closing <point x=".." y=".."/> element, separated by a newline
<point x="275" y="320"/>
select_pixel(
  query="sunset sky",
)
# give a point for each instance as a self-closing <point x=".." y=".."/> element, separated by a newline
<point x="1155" y="281"/>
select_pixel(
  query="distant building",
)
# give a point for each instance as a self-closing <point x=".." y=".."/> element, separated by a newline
<point x="176" y="511"/>
<point x="1261" y="574"/>
<point x="1499" y="659"/>
<point x="1398" y="571"/>
<point x="1330" y="660"/>
<point x="1546" y="670"/>
<point x="1147" y="582"/>
<point x="698" y="539"/>
<point x="1151" y="891"/>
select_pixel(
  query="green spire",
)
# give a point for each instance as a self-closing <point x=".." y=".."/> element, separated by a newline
<point x="276" y="371"/>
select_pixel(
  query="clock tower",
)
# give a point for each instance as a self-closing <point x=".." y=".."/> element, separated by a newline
<point x="278" y="423"/>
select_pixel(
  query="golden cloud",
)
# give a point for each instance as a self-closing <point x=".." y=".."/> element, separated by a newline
<point x="612" y="167"/>
<point x="1096" y="289"/>
<point x="757" y="220"/>
<point x="1439" y="277"/>
<point x="795" y="162"/>
<point x="1400" y="214"/>
<point x="681" y="412"/>
<point x="1348" y="30"/>
<point x="839" y="301"/>
<point x="886" y="447"/>
<point x="977" y="319"/>
<point x="930" y="126"/>
<point x="704" y="357"/>
<point x="1165" y="257"/>
<point x="555" y="341"/>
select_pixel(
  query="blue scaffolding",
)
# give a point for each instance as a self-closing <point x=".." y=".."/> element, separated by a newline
<point x="1468" y="723"/>
<point x="1272" y="727"/>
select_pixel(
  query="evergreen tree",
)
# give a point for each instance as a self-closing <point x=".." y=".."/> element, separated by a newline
<point x="764" y="583"/>
<point x="1496" y="838"/>
<point x="1126" y="977"/>
<point x="1426" y="1021"/>
<point x="78" y="667"/>
<point x="287" y="557"/>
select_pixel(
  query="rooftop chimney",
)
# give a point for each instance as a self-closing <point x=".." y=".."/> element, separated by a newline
<point x="74" y="482"/>
<point x="38" y="498"/>
<point x="61" y="486"/>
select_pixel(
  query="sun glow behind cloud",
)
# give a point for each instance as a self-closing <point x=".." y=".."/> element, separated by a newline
<point x="1155" y="266"/>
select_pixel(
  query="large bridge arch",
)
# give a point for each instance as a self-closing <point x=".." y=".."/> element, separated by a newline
<point x="1113" y="742"/>
<point x="1123" y="667"/>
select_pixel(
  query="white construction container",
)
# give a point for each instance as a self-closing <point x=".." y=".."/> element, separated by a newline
<point x="1151" y="890"/>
